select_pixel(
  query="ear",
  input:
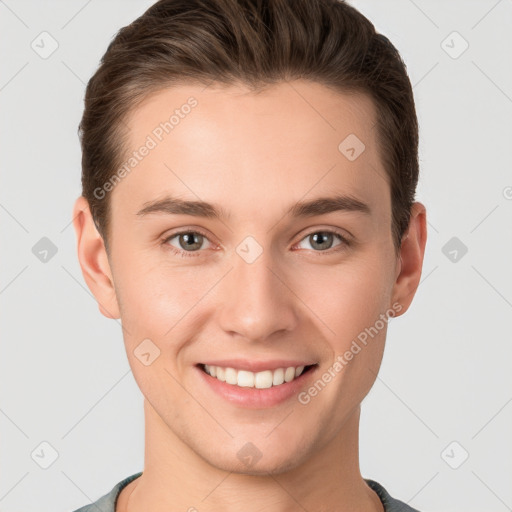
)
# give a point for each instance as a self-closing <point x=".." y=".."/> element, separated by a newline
<point x="412" y="251"/>
<point x="93" y="259"/>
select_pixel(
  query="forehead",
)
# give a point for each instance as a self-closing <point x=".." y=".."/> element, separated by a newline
<point x="283" y="142"/>
<point x="233" y="108"/>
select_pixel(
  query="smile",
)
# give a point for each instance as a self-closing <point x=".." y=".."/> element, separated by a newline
<point x="260" y="380"/>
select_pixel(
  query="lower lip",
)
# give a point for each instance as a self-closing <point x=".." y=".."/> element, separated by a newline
<point x="253" y="397"/>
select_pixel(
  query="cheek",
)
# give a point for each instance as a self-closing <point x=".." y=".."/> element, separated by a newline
<point x="347" y="298"/>
<point x="156" y="298"/>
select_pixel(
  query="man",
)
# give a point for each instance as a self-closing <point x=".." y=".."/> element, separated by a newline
<point x="249" y="171"/>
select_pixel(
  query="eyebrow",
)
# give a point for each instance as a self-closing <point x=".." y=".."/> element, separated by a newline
<point x="320" y="206"/>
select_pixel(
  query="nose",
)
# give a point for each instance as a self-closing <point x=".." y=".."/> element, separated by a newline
<point x="255" y="301"/>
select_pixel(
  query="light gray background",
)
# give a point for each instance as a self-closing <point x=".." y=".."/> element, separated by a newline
<point x="446" y="371"/>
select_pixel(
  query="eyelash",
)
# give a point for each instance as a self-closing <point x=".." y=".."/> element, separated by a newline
<point x="186" y="254"/>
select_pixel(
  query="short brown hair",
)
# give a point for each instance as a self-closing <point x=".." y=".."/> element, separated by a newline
<point x="251" y="42"/>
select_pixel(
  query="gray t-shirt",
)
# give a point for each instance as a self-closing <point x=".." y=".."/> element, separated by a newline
<point x="107" y="503"/>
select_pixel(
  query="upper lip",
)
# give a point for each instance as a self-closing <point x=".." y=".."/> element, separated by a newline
<point x="252" y="365"/>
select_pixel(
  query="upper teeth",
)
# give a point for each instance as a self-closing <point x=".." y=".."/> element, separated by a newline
<point x="260" y="380"/>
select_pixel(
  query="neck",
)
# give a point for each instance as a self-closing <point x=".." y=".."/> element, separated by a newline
<point x="175" y="478"/>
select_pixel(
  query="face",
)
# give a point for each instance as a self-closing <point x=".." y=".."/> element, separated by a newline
<point x="254" y="280"/>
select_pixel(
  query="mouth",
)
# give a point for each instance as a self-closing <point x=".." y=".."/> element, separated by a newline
<point x="264" y="379"/>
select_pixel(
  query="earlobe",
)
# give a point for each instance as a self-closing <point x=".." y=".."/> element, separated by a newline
<point x="93" y="260"/>
<point x="411" y="255"/>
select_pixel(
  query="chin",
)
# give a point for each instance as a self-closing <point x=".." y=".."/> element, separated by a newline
<point x="249" y="460"/>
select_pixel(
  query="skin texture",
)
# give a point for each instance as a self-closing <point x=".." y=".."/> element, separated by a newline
<point x="255" y="155"/>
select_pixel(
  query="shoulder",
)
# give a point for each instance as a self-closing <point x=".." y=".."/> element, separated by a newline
<point x="390" y="504"/>
<point x="107" y="503"/>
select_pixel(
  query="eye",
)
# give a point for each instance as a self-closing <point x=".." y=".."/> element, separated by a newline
<point x="188" y="242"/>
<point x="323" y="240"/>
<point x="191" y="241"/>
